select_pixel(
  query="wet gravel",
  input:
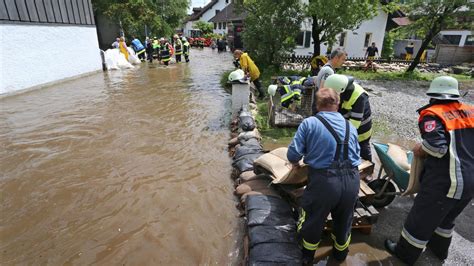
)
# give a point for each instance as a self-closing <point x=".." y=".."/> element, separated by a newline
<point x="394" y="105"/>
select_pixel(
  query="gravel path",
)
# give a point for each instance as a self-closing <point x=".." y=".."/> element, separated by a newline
<point x="394" y="105"/>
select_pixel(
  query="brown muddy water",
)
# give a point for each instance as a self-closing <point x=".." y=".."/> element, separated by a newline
<point x="127" y="167"/>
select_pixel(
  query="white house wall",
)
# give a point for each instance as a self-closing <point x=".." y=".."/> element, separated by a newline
<point x="354" y="43"/>
<point x="211" y="12"/>
<point x="56" y="52"/>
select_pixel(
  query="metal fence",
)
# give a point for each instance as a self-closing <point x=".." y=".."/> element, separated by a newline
<point x="77" y="12"/>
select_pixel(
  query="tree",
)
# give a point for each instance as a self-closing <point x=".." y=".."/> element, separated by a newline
<point x="429" y="17"/>
<point x="270" y="28"/>
<point x="204" y="27"/>
<point x="330" y="18"/>
<point x="160" y="16"/>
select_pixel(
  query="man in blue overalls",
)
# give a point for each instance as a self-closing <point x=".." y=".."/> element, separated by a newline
<point x="328" y="143"/>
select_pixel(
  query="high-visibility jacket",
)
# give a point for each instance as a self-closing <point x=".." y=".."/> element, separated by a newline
<point x="178" y="47"/>
<point x="247" y="65"/>
<point x="289" y="93"/>
<point x="123" y="49"/>
<point x="355" y="107"/>
<point x="447" y="129"/>
<point x="156" y="44"/>
<point x="165" y="53"/>
<point x="186" y="48"/>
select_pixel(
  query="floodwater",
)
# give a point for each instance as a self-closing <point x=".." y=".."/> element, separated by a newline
<point x="127" y="167"/>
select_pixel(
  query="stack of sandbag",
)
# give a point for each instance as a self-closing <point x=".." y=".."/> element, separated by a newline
<point x="247" y="146"/>
<point x="271" y="222"/>
<point x="272" y="237"/>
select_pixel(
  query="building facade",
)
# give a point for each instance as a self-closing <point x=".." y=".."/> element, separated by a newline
<point x="46" y="41"/>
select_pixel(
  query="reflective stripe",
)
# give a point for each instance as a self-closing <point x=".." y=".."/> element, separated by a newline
<point x="446" y="233"/>
<point x="358" y="90"/>
<point x="355" y="123"/>
<point x="310" y="246"/>
<point x="301" y="220"/>
<point x="364" y="136"/>
<point x="457" y="181"/>
<point x="341" y="247"/>
<point x="413" y="241"/>
<point x="288" y="95"/>
<point x="431" y="150"/>
<point x="357" y="115"/>
<point x="438" y="151"/>
<point x="365" y="121"/>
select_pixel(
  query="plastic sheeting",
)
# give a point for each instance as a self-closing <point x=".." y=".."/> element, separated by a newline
<point x="246" y="121"/>
<point x="114" y="59"/>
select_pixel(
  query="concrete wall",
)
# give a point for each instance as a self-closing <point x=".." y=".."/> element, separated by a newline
<point x="354" y="41"/>
<point x="399" y="47"/>
<point x="36" y="54"/>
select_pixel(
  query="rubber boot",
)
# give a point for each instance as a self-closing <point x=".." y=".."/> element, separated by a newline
<point x="406" y="252"/>
<point x="439" y="246"/>
<point x="340" y="255"/>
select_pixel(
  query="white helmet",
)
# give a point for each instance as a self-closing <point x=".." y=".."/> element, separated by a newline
<point x="338" y="82"/>
<point x="183" y="39"/>
<point x="444" y="88"/>
<point x="272" y="89"/>
<point x="236" y="75"/>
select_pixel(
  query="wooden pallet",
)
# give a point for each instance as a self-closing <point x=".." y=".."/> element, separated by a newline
<point x="364" y="215"/>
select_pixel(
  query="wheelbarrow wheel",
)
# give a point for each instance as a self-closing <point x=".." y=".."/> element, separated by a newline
<point x="382" y="200"/>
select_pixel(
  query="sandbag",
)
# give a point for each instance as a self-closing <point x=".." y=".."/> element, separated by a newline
<point x="272" y="234"/>
<point x="268" y="203"/>
<point x="265" y="217"/>
<point x="233" y="142"/>
<point x="244" y="150"/>
<point x="254" y="134"/>
<point x="275" y="253"/>
<point x="250" y="143"/>
<point x="263" y="192"/>
<point x="245" y="163"/>
<point x="253" y="185"/>
<point x="246" y="121"/>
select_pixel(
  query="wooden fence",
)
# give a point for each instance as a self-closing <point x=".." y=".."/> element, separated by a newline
<point x="306" y="59"/>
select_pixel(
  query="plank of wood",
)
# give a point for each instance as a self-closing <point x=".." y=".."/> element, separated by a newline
<point x="366" y="189"/>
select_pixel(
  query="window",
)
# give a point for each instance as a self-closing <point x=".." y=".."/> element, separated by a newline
<point x="226" y="1"/>
<point x="303" y="39"/>
<point x="307" y="39"/>
<point x="368" y="39"/>
<point x="469" y="40"/>
<point x="217" y="11"/>
<point x="342" y="39"/>
<point x="215" y="25"/>
<point x="453" y="39"/>
<point x="300" y="39"/>
<point x="224" y="25"/>
<point x="220" y="25"/>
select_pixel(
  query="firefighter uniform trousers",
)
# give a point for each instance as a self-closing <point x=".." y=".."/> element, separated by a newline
<point x="330" y="191"/>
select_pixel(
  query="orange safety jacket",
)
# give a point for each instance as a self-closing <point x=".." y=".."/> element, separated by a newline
<point x="458" y="122"/>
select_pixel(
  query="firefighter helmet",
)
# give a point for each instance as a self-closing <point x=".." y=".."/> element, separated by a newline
<point x="443" y="88"/>
<point x="339" y="83"/>
<point x="236" y="75"/>
<point x="272" y="89"/>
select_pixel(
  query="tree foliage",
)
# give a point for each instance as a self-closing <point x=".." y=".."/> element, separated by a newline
<point x="204" y="27"/>
<point x="270" y="28"/>
<point x="160" y="16"/>
<point x="329" y="18"/>
<point x="429" y="17"/>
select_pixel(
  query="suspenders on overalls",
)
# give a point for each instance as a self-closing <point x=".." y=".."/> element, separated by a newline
<point x="337" y="162"/>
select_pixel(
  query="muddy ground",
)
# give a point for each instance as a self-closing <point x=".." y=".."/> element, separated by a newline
<point x="394" y="105"/>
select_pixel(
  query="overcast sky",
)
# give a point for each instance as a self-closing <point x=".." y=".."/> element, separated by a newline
<point x="198" y="3"/>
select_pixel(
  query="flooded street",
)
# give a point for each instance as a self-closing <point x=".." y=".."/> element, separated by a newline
<point x="127" y="167"/>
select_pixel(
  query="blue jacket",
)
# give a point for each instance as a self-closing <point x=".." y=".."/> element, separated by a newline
<point x="318" y="147"/>
<point x="137" y="45"/>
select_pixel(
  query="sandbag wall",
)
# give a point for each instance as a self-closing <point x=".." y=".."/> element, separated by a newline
<point x="271" y="236"/>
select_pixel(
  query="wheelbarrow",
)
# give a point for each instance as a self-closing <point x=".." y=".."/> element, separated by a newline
<point x="385" y="187"/>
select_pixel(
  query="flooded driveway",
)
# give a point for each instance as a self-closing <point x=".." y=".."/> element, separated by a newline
<point x="126" y="167"/>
